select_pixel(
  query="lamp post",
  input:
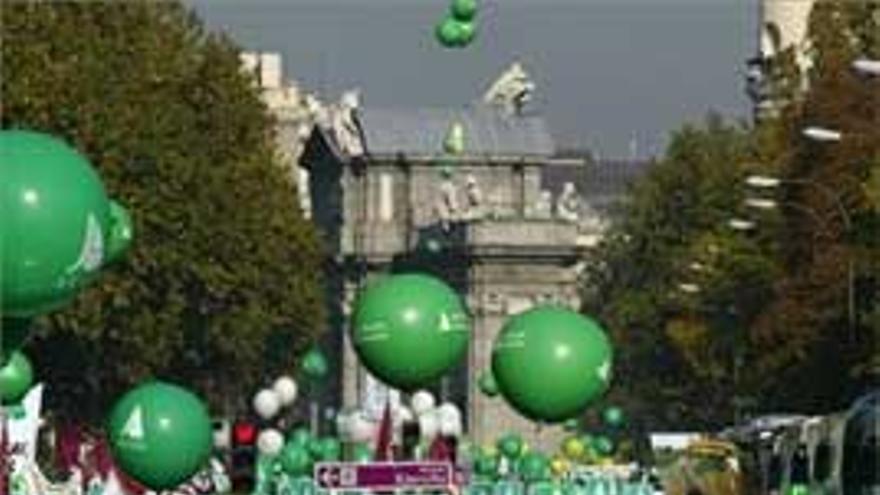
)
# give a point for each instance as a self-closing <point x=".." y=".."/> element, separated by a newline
<point x="867" y="67"/>
<point x="768" y="182"/>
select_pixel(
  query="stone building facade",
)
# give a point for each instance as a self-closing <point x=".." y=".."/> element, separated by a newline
<point x="479" y="220"/>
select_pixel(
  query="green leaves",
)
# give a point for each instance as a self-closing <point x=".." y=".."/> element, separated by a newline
<point x="222" y="260"/>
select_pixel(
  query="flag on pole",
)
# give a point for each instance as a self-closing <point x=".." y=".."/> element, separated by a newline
<point x="383" y="441"/>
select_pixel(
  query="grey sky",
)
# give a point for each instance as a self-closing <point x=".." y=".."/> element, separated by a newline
<point x="606" y="70"/>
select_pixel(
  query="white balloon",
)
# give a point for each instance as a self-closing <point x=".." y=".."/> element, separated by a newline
<point x="270" y="442"/>
<point x="449" y="411"/>
<point x="266" y="403"/>
<point x="404" y="414"/>
<point x="422" y="402"/>
<point x="450" y="427"/>
<point x="429" y="425"/>
<point x="361" y="429"/>
<point x="286" y="389"/>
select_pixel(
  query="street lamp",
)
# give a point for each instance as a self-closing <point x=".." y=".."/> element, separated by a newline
<point x="768" y="182"/>
<point x="689" y="288"/>
<point x="741" y="224"/>
<point x="867" y="67"/>
<point x="822" y="135"/>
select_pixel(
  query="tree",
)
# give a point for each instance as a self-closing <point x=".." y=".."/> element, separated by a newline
<point x="224" y="268"/>
<point x="830" y="226"/>
<point x="673" y="347"/>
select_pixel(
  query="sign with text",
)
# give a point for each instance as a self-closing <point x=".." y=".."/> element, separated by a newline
<point x="384" y="475"/>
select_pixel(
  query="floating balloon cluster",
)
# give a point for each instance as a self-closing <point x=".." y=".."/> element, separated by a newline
<point x="458" y="29"/>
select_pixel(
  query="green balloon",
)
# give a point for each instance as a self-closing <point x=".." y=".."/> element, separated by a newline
<point x="463" y="10"/>
<point x="487" y="384"/>
<point x="362" y="453"/>
<point x="16" y="378"/>
<point x="571" y="425"/>
<point x="160" y="435"/>
<point x="510" y="446"/>
<point x="58" y="225"/>
<point x="13" y="334"/>
<point x="409" y="330"/>
<point x="613" y="416"/>
<point x="331" y="450"/>
<point x="486" y="466"/>
<point x="315" y="448"/>
<point x="452" y="33"/>
<point x="301" y="437"/>
<point x="551" y="362"/>
<point x="603" y="445"/>
<point x="295" y="460"/>
<point x="314" y="364"/>
<point x="534" y="466"/>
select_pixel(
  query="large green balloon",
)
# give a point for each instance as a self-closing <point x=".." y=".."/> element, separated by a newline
<point x="464" y="10"/>
<point x="314" y="364"/>
<point x="16" y="377"/>
<point x="550" y="363"/>
<point x="160" y="435"/>
<point x="57" y="223"/>
<point x="409" y="330"/>
<point x="487" y="384"/>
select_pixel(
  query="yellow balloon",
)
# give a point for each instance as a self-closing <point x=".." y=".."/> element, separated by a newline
<point x="559" y="466"/>
<point x="573" y="448"/>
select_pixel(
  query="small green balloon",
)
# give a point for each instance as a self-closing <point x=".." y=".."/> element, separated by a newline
<point x="613" y="416"/>
<point x="603" y="445"/>
<point x="511" y="446"/>
<point x="16" y="378"/>
<point x="551" y="362"/>
<point x="331" y="450"/>
<point x="121" y="232"/>
<point x="301" y="437"/>
<point x="487" y="384"/>
<point x="572" y="425"/>
<point x="295" y="460"/>
<point x="534" y="467"/>
<point x="160" y="435"/>
<point x="409" y="330"/>
<point x="316" y="447"/>
<point x="314" y="364"/>
<point x="452" y="33"/>
<point x="486" y="466"/>
<point x="362" y="453"/>
<point x="464" y="10"/>
<point x="56" y="224"/>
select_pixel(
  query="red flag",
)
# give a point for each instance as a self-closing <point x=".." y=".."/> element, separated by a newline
<point x="383" y="441"/>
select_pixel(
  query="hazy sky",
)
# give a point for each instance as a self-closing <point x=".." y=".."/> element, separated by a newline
<point x="606" y="70"/>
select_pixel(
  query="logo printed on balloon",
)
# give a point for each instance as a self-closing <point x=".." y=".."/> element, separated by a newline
<point x="134" y="425"/>
<point x="372" y="331"/>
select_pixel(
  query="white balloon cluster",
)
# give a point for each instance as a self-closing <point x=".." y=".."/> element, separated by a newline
<point x="436" y="420"/>
<point x="433" y="420"/>
<point x="267" y="403"/>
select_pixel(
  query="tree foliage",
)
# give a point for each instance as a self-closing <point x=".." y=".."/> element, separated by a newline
<point x="224" y="267"/>
<point x="763" y="322"/>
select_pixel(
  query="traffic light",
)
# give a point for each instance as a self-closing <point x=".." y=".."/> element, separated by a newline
<point x="243" y="456"/>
